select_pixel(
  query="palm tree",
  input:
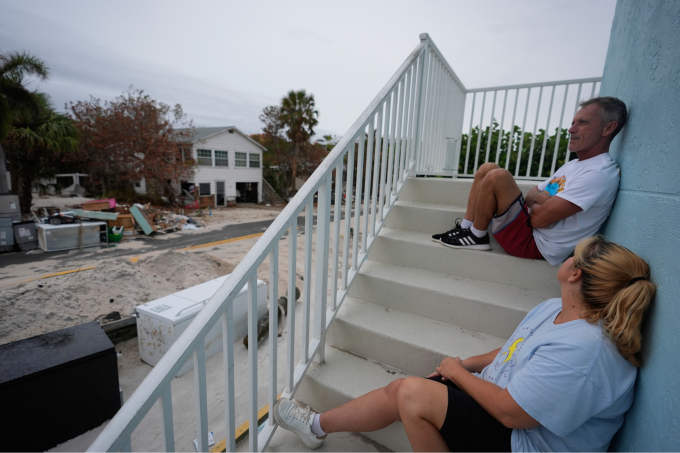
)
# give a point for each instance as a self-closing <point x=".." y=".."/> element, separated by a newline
<point x="299" y="116"/>
<point x="14" y="97"/>
<point x="33" y="141"/>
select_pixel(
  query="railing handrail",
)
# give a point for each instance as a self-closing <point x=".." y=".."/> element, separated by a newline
<point x="140" y="402"/>
<point x="535" y="85"/>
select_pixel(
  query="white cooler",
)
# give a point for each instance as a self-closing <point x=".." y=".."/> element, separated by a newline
<point x="161" y="321"/>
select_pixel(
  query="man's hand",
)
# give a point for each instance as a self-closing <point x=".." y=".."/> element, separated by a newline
<point x="536" y="196"/>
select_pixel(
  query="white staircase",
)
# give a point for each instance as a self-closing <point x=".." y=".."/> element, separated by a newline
<point x="416" y="301"/>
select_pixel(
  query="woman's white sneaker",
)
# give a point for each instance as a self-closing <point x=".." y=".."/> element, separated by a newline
<point x="291" y="417"/>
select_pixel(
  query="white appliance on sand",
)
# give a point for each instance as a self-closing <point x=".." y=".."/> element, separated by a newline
<point x="161" y="321"/>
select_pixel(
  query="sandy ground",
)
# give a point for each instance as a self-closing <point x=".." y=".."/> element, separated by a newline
<point x="48" y="304"/>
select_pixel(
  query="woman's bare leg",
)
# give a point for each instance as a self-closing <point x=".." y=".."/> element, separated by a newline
<point x="423" y="405"/>
<point x="370" y="412"/>
<point x="419" y="403"/>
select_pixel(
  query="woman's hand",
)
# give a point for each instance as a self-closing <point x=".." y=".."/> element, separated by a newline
<point x="450" y="367"/>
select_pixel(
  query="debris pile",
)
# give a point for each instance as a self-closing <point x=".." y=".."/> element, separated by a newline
<point x="118" y="285"/>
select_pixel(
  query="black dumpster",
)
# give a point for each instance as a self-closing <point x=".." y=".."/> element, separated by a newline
<point x="56" y="386"/>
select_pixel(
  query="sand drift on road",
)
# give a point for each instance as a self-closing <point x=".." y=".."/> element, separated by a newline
<point x="45" y="305"/>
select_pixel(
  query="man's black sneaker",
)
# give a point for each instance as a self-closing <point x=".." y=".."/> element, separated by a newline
<point x="466" y="239"/>
<point x="451" y="233"/>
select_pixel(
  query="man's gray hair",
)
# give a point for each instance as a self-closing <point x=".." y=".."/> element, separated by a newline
<point x="611" y="109"/>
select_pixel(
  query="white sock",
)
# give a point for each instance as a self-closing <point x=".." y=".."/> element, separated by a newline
<point x="478" y="233"/>
<point x="316" y="426"/>
<point x="466" y="224"/>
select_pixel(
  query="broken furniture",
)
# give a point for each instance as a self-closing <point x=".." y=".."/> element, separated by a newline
<point x="65" y="237"/>
<point x="161" y="321"/>
<point x="57" y="386"/>
<point x="98" y="205"/>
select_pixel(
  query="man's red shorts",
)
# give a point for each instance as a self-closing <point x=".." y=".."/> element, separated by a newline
<point x="514" y="232"/>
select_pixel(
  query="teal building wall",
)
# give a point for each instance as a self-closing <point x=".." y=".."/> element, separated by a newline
<point x="643" y="69"/>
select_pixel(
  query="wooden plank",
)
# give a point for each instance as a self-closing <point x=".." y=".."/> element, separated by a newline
<point x="142" y="217"/>
<point x="99" y="215"/>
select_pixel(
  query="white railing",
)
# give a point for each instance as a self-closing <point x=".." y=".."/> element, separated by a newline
<point x="528" y="154"/>
<point x="379" y="152"/>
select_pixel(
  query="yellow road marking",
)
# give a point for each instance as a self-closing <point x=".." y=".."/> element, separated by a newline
<point x="136" y="258"/>
<point x="242" y="238"/>
<point x="242" y="431"/>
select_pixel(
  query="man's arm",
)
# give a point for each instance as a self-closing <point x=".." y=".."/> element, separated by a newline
<point x="496" y="401"/>
<point x="547" y="209"/>
<point x="552" y="210"/>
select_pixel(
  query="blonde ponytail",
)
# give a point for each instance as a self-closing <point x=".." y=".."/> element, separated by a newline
<point x="616" y="288"/>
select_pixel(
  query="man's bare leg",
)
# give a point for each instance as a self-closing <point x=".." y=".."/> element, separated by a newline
<point x="495" y="194"/>
<point x="476" y="186"/>
<point x="419" y="403"/>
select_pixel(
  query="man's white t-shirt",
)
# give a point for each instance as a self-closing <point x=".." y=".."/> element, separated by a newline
<point x="590" y="184"/>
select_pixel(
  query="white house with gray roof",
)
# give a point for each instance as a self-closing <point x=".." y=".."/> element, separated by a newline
<point x="229" y="165"/>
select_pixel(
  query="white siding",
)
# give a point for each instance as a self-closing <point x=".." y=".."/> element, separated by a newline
<point x="142" y="187"/>
<point x="231" y="175"/>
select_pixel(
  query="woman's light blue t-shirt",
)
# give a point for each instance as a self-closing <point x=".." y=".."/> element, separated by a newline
<point x="569" y="377"/>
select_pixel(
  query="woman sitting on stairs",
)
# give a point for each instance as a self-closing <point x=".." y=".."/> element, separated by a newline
<point x="562" y="382"/>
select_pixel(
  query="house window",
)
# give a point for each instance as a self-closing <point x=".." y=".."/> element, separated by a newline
<point x="204" y="189"/>
<point x="221" y="158"/>
<point x="254" y="160"/>
<point x="138" y="184"/>
<point x="204" y="157"/>
<point x="241" y="159"/>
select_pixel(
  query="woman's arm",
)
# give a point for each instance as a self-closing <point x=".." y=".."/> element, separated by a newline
<point x="496" y="401"/>
<point x="477" y="363"/>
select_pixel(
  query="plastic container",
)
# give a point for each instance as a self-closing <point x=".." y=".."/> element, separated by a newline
<point x="116" y="234"/>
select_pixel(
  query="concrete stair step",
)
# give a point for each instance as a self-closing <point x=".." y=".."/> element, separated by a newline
<point x="345" y="376"/>
<point x="402" y="340"/>
<point x="445" y="191"/>
<point x="425" y="217"/>
<point x="411" y="249"/>
<point x="471" y="304"/>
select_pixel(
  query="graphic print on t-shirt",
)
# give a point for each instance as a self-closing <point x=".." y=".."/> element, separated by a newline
<point x="556" y="185"/>
<point x="517" y="342"/>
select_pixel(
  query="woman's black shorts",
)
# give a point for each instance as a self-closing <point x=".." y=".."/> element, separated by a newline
<point x="468" y="427"/>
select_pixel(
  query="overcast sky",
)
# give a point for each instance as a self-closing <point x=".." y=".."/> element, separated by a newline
<point x="224" y="61"/>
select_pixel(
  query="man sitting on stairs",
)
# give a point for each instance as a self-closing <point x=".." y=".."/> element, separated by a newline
<point x="556" y="214"/>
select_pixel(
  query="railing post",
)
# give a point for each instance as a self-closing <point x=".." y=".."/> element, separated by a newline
<point x="201" y="394"/>
<point x="252" y="361"/>
<point x="307" y="282"/>
<point x="273" y="324"/>
<point x="290" y="310"/>
<point x="167" y="431"/>
<point x="421" y="94"/>
<point x="323" y="219"/>
<point x="229" y="395"/>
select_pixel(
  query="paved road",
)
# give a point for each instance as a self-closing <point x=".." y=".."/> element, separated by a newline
<point x="70" y="258"/>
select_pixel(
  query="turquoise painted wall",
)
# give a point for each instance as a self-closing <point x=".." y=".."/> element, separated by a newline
<point x="643" y="69"/>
